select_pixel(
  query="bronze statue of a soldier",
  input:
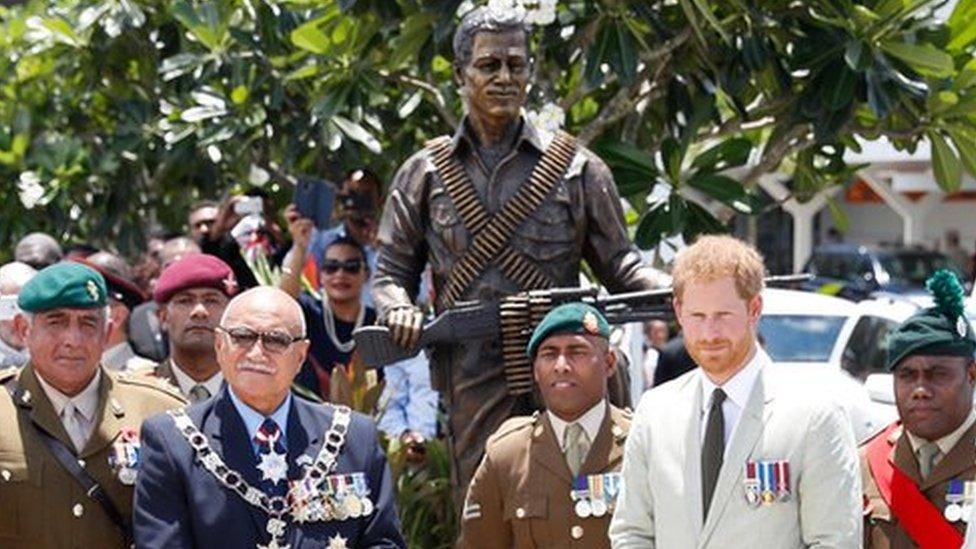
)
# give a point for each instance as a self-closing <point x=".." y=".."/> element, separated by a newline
<point x="500" y="208"/>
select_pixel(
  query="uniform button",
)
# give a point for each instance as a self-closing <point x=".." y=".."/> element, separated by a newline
<point x="5" y="474"/>
<point x="78" y="510"/>
<point x="576" y="531"/>
<point x="617" y="431"/>
<point x="81" y="463"/>
<point x="520" y="513"/>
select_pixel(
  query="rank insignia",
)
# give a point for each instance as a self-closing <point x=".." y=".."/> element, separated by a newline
<point x="92" y="289"/>
<point x="337" y="542"/>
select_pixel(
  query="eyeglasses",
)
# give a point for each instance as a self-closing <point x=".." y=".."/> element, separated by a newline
<point x="351" y="266"/>
<point x="273" y="342"/>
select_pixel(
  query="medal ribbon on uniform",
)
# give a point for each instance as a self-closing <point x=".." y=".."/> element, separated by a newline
<point x="783" y="480"/>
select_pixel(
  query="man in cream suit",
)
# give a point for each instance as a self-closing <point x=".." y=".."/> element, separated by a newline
<point x="733" y="454"/>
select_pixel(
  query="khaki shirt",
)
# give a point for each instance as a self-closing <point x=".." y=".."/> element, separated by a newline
<point x="881" y="529"/>
<point x="520" y="494"/>
<point x="41" y="504"/>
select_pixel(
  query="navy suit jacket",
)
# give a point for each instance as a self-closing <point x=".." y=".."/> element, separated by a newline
<point x="178" y="503"/>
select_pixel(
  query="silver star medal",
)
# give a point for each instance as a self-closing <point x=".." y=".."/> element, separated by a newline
<point x="337" y="542"/>
<point x="273" y="467"/>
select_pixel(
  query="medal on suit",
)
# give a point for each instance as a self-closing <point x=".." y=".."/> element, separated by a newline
<point x="598" y="503"/>
<point x="581" y="495"/>
<point x="752" y="484"/>
<point x="124" y="457"/>
<point x="954" y="498"/>
<point x="968" y="495"/>
<point x="766" y="482"/>
<point x="782" y="479"/>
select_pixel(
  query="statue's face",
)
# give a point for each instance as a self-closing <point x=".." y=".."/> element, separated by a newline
<point x="495" y="78"/>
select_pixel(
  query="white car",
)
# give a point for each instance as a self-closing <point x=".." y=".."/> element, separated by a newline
<point x="833" y="342"/>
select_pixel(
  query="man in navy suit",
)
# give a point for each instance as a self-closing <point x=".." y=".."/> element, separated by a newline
<point x="254" y="466"/>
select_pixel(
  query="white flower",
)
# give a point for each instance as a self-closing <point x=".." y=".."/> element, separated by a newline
<point x="507" y="8"/>
<point x="31" y="191"/>
<point x="540" y="12"/>
<point x="549" y="118"/>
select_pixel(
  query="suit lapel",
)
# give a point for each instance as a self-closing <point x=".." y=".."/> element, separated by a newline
<point x="599" y="453"/>
<point x="959" y="459"/>
<point x="42" y="411"/>
<point x="545" y="450"/>
<point x="689" y="450"/>
<point x="744" y="439"/>
<point x="301" y="441"/>
<point x="228" y="437"/>
<point x="108" y="418"/>
<point x="903" y="457"/>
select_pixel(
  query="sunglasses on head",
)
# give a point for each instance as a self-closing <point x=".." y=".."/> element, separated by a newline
<point x="273" y="342"/>
<point x="352" y="266"/>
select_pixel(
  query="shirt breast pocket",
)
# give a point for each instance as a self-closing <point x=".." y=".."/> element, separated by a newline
<point x="20" y="488"/>
<point x="548" y="232"/>
<point x="528" y="514"/>
<point x="446" y="223"/>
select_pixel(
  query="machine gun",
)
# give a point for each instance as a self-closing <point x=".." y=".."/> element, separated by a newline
<point x="513" y="318"/>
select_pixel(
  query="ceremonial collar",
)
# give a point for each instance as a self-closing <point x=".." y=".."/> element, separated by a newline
<point x="187" y="383"/>
<point x="590" y="421"/>
<point x="946" y="443"/>
<point x="86" y="402"/>
<point x="253" y="419"/>
<point x="738" y="387"/>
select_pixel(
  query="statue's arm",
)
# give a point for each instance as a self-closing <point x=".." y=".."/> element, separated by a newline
<point x="401" y="242"/>
<point x="607" y="248"/>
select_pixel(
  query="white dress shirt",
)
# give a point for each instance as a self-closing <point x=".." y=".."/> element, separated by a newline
<point x="187" y="383"/>
<point x="85" y="402"/>
<point x="737" y="390"/>
<point x="590" y="421"/>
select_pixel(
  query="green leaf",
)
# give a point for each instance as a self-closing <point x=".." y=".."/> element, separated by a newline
<point x="357" y="133"/>
<point x="926" y="59"/>
<point x="653" y="226"/>
<point x="945" y="164"/>
<point x="839" y="216"/>
<point x="671" y="156"/>
<point x="838" y="87"/>
<point x="414" y="32"/>
<point x="597" y="53"/>
<point x="310" y="37"/>
<point x="625" y="57"/>
<point x="726" y="190"/>
<point x="727" y="154"/>
<point x="964" y="139"/>
<point x="967" y="77"/>
<point x="962" y="26"/>
<point x="304" y="72"/>
<point x="700" y="221"/>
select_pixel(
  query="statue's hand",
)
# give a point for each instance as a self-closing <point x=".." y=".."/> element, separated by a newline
<point x="405" y="325"/>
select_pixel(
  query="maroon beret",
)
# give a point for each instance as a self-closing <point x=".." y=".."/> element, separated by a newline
<point x="195" y="271"/>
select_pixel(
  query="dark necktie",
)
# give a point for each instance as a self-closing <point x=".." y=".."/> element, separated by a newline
<point x="270" y="446"/>
<point x="713" y="449"/>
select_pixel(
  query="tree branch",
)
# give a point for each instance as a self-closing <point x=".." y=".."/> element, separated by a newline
<point x="623" y="104"/>
<point x="795" y="140"/>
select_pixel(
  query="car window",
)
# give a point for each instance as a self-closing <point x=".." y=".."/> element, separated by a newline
<point x="799" y="338"/>
<point x="864" y="353"/>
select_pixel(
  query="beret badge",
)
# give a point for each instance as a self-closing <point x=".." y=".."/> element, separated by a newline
<point x="590" y="323"/>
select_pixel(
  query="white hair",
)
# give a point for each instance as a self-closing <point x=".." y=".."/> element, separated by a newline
<point x="29" y="316"/>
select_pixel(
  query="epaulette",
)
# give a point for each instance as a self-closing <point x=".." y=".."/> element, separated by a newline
<point x="155" y="383"/>
<point x="513" y="425"/>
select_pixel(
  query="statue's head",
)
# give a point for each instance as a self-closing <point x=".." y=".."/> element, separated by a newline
<point x="492" y="63"/>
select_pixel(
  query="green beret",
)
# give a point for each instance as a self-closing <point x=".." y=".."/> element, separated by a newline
<point x="63" y="285"/>
<point x="570" y="318"/>
<point x="941" y="330"/>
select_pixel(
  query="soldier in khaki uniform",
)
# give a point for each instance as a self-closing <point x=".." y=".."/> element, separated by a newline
<point x="927" y="458"/>
<point x="63" y="398"/>
<point x="550" y="480"/>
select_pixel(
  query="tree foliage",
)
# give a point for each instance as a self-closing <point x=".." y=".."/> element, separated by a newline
<point x="115" y="115"/>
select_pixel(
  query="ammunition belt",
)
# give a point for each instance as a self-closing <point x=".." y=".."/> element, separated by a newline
<point x="520" y="313"/>
<point x="492" y="232"/>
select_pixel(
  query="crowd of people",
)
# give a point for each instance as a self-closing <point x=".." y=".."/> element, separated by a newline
<point x="194" y="399"/>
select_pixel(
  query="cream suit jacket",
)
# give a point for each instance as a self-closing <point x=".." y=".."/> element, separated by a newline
<point x="660" y="503"/>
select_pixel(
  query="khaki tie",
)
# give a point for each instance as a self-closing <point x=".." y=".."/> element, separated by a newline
<point x="199" y="393"/>
<point x="72" y="421"/>
<point x="927" y="454"/>
<point x="576" y="444"/>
